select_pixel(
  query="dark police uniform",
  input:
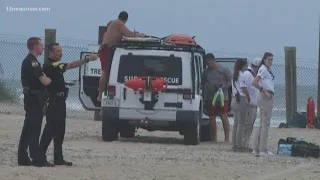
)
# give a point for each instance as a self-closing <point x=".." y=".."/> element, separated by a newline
<point x="34" y="92"/>
<point x="56" y="111"/>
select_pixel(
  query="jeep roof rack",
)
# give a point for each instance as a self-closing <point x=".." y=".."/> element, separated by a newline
<point x="155" y="43"/>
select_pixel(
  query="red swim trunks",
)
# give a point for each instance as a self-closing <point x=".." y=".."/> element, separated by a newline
<point x="217" y="110"/>
<point x="105" y="55"/>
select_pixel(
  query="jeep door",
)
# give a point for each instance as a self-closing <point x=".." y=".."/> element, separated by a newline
<point x="89" y="75"/>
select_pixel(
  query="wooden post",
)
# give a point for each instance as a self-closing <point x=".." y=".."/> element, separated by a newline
<point x="291" y="82"/>
<point x="50" y="37"/>
<point x="102" y="30"/>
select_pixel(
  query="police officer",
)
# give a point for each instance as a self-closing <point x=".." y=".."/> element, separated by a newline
<point x="56" y="111"/>
<point x="33" y="81"/>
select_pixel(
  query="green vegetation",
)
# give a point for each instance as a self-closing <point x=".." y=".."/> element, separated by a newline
<point x="6" y="95"/>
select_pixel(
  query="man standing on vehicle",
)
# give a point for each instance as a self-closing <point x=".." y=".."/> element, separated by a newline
<point x="33" y="82"/>
<point x="115" y="31"/>
<point x="56" y="112"/>
<point x="250" y="74"/>
<point x="214" y="77"/>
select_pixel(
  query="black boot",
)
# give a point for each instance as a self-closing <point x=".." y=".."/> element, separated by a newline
<point x="63" y="162"/>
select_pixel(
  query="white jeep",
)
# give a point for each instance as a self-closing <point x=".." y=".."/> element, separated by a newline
<point x="179" y="107"/>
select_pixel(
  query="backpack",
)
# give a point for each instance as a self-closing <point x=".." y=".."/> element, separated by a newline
<point x="296" y="148"/>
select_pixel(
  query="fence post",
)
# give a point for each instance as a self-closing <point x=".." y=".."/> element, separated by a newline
<point x="102" y="30"/>
<point x="291" y="82"/>
<point x="50" y="37"/>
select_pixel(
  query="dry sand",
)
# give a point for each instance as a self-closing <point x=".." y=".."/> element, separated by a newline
<point x="153" y="155"/>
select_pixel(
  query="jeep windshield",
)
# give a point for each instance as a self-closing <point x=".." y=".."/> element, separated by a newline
<point x="169" y="68"/>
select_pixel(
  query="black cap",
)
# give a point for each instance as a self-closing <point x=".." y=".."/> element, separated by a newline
<point x="123" y="15"/>
<point x="209" y="56"/>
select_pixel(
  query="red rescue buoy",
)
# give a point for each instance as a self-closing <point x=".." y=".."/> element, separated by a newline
<point x="310" y="113"/>
<point x="147" y="83"/>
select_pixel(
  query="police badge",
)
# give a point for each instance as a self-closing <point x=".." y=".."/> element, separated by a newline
<point x="34" y="64"/>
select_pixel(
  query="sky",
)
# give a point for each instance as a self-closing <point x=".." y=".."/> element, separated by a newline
<point x="250" y="27"/>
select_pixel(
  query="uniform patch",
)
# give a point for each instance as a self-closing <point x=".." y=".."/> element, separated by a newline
<point x="55" y="64"/>
<point x="34" y="64"/>
<point x="58" y="65"/>
<point x="61" y="66"/>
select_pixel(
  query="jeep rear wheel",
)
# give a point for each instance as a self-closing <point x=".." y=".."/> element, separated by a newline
<point x="127" y="131"/>
<point x="109" y="129"/>
<point x="192" y="132"/>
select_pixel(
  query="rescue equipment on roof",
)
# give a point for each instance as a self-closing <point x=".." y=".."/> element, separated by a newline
<point x="154" y="84"/>
<point x="140" y="39"/>
<point x="180" y="39"/>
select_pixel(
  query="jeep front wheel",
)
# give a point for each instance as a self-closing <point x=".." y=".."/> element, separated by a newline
<point x="192" y="132"/>
<point x="109" y="129"/>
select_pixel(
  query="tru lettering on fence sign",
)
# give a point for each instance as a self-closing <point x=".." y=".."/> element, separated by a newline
<point x="95" y="71"/>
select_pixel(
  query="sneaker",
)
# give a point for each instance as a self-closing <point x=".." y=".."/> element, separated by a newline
<point x="268" y="153"/>
<point x="63" y="162"/>
<point x="255" y="153"/>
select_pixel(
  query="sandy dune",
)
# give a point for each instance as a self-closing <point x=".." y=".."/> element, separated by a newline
<point x="153" y="155"/>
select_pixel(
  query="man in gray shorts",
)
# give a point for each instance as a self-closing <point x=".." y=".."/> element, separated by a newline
<point x="214" y="77"/>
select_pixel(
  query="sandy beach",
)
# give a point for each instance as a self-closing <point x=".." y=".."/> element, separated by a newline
<point x="153" y="156"/>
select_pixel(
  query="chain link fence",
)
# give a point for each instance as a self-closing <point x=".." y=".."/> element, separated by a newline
<point x="11" y="55"/>
<point x="13" y="52"/>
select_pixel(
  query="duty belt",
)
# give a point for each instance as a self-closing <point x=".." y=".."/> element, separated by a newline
<point x="60" y="94"/>
<point x="28" y="91"/>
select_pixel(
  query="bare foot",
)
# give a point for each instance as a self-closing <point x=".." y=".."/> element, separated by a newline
<point x="99" y="98"/>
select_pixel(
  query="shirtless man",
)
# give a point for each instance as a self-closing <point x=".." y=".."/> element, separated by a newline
<point x="116" y="29"/>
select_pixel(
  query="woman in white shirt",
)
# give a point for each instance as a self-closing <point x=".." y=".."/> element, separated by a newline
<point x="240" y="104"/>
<point x="264" y="81"/>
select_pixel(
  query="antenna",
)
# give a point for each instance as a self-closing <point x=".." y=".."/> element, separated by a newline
<point x="318" y="99"/>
